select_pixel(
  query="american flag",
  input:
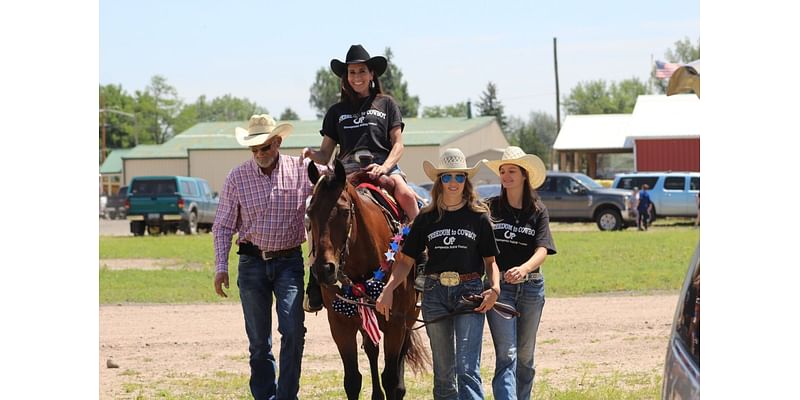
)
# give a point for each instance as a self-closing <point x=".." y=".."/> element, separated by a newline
<point x="370" y="324"/>
<point x="664" y="70"/>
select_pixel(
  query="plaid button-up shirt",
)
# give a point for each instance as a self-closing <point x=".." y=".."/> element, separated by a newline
<point x="266" y="211"/>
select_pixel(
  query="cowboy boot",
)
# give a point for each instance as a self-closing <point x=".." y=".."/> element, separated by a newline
<point x="313" y="299"/>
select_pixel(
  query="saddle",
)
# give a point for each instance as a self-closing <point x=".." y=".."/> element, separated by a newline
<point x="379" y="190"/>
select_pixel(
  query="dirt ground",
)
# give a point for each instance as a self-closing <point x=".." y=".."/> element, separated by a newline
<point x="153" y="343"/>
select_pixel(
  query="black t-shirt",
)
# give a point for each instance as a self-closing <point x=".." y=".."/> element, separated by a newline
<point x="365" y="126"/>
<point x="519" y="234"/>
<point x="458" y="242"/>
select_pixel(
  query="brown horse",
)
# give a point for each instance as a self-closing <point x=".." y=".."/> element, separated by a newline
<point x="349" y="236"/>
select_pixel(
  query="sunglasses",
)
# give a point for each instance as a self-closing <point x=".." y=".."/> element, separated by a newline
<point x="263" y="148"/>
<point x="446" y="178"/>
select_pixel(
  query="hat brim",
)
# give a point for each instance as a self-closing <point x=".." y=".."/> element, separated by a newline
<point x="244" y="137"/>
<point x="533" y="164"/>
<point x="376" y="64"/>
<point x="433" y="172"/>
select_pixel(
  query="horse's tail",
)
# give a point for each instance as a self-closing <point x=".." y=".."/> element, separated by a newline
<point x="418" y="358"/>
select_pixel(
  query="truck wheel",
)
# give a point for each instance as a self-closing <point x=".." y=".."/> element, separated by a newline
<point x="137" y="228"/>
<point x="153" y="230"/>
<point x="190" y="226"/>
<point x="609" y="219"/>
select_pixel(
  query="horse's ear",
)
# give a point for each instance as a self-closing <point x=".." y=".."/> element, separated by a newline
<point x="313" y="173"/>
<point x="339" y="172"/>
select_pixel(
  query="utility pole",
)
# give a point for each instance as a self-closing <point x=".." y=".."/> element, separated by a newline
<point x="558" y="103"/>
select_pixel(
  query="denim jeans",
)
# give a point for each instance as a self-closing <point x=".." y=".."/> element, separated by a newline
<point x="515" y="339"/>
<point x="455" y="342"/>
<point x="258" y="281"/>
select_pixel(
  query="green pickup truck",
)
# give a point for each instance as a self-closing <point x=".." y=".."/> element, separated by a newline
<point x="166" y="204"/>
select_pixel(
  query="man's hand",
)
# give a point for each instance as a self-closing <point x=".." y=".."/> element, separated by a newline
<point x="307" y="153"/>
<point x="219" y="279"/>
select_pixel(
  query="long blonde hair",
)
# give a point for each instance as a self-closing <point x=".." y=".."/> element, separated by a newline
<point x="468" y="194"/>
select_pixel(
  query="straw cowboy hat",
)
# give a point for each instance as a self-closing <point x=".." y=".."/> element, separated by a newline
<point x="452" y="160"/>
<point x="358" y="55"/>
<point x="531" y="163"/>
<point x="260" y="129"/>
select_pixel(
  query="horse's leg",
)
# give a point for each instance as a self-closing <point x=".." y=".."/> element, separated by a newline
<point x="394" y="348"/>
<point x="344" y="334"/>
<point x="372" y="355"/>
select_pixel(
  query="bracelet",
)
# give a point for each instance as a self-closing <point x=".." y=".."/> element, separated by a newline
<point x="496" y="292"/>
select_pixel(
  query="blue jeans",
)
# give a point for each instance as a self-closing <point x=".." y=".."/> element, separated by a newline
<point x="455" y="342"/>
<point x="258" y="281"/>
<point x="515" y="339"/>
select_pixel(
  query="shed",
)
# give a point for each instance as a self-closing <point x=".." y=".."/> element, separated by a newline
<point x="660" y="135"/>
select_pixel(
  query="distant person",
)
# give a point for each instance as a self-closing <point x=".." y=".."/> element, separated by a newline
<point x="522" y="232"/>
<point x="635" y="204"/>
<point x="644" y="207"/>
<point x="263" y="200"/>
<point x="456" y="230"/>
<point x="368" y="127"/>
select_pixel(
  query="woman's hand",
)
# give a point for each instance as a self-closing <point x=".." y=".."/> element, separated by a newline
<point x="490" y="296"/>
<point x="384" y="303"/>
<point x="515" y="275"/>
<point x="375" y="171"/>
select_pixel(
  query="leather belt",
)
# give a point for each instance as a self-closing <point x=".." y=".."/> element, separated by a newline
<point x="253" y="250"/>
<point x="451" y="278"/>
<point x="530" y="277"/>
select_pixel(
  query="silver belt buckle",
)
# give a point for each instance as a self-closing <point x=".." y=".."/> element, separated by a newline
<point x="264" y="255"/>
<point x="533" y="276"/>
<point x="449" y="278"/>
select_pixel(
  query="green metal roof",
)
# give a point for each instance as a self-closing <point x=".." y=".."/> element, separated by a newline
<point x="220" y="135"/>
<point x="113" y="163"/>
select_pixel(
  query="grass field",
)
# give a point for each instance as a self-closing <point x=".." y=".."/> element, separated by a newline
<point x="587" y="263"/>
<point x="327" y="386"/>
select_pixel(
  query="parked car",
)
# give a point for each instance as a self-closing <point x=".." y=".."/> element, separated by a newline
<point x="674" y="194"/>
<point x="115" y="205"/>
<point x="572" y="196"/>
<point x="421" y="192"/>
<point x="682" y="363"/>
<point x="488" y="190"/>
<point x="165" y="204"/>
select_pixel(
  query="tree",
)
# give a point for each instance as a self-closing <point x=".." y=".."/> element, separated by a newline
<point x="120" y="128"/>
<point x="683" y="53"/>
<point x="490" y="105"/>
<point x="594" y="97"/>
<point x="393" y="85"/>
<point x="289" y="115"/>
<point x="525" y="135"/>
<point x="158" y="105"/>
<point x="225" y="108"/>
<point x="324" y="92"/>
<point x="453" y="110"/>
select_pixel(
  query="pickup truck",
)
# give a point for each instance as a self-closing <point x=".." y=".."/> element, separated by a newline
<point x="572" y="196"/>
<point x="166" y="204"/>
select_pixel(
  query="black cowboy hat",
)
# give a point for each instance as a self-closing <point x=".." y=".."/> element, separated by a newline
<point x="357" y="55"/>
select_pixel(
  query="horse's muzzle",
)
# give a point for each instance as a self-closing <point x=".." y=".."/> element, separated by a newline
<point x="325" y="273"/>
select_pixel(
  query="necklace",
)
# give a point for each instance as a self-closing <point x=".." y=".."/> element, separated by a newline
<point x="515" y="215"/>
<point x="456" y="206"/>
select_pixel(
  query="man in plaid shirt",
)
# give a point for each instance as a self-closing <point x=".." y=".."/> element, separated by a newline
<point x="263" y="199"/>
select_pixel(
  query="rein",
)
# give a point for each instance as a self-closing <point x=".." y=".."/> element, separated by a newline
<point x="506" y="311"/>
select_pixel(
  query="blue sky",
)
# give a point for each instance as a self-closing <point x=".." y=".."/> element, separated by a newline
<point x="269" y="52"/>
